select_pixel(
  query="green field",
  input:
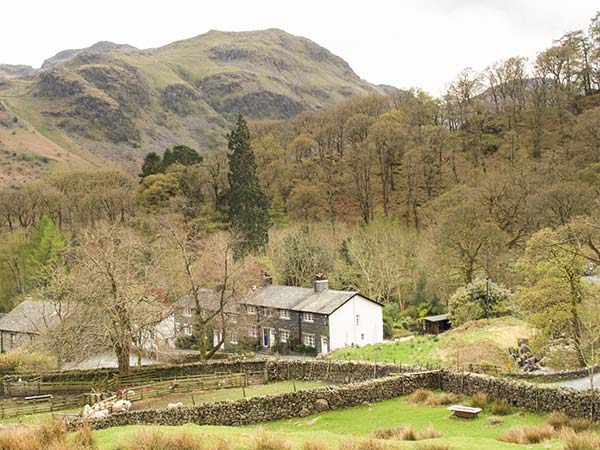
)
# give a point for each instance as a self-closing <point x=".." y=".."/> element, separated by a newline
<point x="334" y="427"/>
<point x="226" y="394"/>
<point x="477" y="342"/>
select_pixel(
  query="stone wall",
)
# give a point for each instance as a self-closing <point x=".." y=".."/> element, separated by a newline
<point x="530" y="396"/>
<point x="556" y="376"/>
<point x="274" y="407"/>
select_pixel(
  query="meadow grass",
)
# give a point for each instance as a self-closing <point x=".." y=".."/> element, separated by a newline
<point x="333" y="428"/>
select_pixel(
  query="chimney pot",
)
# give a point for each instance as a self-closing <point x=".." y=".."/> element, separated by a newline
<point x="321" y="284"/>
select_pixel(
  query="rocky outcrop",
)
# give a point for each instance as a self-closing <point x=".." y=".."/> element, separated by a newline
<point x="264" y="104"/>
<point x="525" y="359"/>
<point x="106" y="116"/>
<point x="57" y="83"/>
<point x="179" y="98"/>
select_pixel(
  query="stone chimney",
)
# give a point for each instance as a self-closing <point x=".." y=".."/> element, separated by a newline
<point x="321" y="283"/>
<point x="266" y="278"/>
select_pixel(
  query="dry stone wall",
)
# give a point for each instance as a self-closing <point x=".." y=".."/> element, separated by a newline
<point x="274" y="407"/>
<point x="530" y="396"/>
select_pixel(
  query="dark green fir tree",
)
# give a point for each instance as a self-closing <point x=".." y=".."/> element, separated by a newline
<point x="248" y="206"/>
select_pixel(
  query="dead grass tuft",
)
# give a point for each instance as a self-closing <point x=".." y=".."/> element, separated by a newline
<point x="587" y="440"/>
<point x="155" y="440"/>
<point x="266" y="440"/>
<point x="422" y="396"/>
<point x="500" y="407"/>
<point x="528" y="434"/>
<point x="430" y="446"/>
<point x="314" y="445"/>
<point x="479" y="400"/>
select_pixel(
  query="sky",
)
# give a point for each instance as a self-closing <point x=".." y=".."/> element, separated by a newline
<point x="418" y="43"/>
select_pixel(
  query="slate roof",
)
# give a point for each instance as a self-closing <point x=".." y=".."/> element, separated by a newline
<point x="209" y="299"/>
<point x="30" y="316"/>
<point x="300" y="298"/>
<point x="438" y="318"/>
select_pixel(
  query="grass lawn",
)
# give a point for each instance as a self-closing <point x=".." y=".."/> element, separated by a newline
<point x="477" y="342"/>
<point x="226" y="394"/>
<point x="333" y="427"/>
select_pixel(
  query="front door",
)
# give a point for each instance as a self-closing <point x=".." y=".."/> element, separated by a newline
<point x="324" y="344"/>
<point x="266" y="337"/>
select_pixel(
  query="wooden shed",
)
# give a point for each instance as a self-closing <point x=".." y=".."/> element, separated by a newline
<point x="436" y="324"/>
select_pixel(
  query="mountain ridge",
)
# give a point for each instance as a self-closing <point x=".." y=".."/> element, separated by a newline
<point x="118" y="102"/>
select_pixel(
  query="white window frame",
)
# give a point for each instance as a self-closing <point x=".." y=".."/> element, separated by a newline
<point x="357" y="319"/>
<point x="187" y="312"/>
<point x="251" y="309"/>
<point x="284" y="314"/>
<point x="253" y="331"/>
<point x="233" y="339"/>
<point x="309" y="340"/>
<point x="308" y="317"/>
<point x="187" y="330"/>
<point x="284" y="335"/>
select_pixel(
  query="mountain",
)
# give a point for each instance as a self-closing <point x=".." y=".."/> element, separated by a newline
<point x="98" y="47"/>
<point x="12" y="70"/>
<point x="112" y="102"/>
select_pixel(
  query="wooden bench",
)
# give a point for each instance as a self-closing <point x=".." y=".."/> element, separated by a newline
<point x="464" y="412"/>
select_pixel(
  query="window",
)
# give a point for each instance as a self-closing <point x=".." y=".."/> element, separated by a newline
<point x="284" y="335"/>
<point x="309" y="340"/>
<point x="187" y="311"/>
<point x="234" y="338"/>
<point x="357" y="319"/>
<point x="187" y="330"/>
<point x="13" y="338"/>
<point x="284" y="314"/>
<point x="251" y="309"/>
<point x="308" y="317"/>
<point x="233" y="319"/>
<point x="362" y="336"/>
<point x="253" y="331"/>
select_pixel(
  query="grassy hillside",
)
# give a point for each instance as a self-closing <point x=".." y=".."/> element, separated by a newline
<point x="478" y="342"/>
<point x="118" y="102"/>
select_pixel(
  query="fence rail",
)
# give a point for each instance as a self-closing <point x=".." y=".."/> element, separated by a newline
<point x="12" y="409"/>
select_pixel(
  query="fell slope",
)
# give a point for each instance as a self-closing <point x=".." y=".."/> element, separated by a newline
<point x="118" y="103"/>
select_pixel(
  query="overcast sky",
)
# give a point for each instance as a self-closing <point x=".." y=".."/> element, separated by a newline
<point x="422" y="43"/>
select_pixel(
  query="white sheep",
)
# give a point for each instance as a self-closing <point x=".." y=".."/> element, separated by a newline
<point x="175" y="405"/>
<point x="121" y="406"/>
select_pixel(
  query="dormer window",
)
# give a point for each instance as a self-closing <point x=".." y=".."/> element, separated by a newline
<point x="284" y="314"/>
<point x="187" y="311"/>
<point x="251" y="309"/>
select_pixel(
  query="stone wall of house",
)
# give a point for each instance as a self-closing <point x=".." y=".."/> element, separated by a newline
<point x="274" y="407"/>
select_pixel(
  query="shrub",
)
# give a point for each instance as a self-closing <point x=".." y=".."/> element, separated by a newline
<point x="20" y="360"/>
<point x="500" y="407"/>
<point x="422" y="396"/>
<point x="558" y="420"/>
<point x="479" y="400"/>
<point x="269" y="441"/>
<point x="579" y="441"/>
<point x="428" y="433"/>
<point x="314" y="445"/>
<point x="528" y="434"/>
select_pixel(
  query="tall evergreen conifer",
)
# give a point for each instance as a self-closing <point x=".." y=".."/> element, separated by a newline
<point x="248" y="205"/>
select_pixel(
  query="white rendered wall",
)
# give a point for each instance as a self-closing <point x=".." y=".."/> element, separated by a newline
<point x="343" y="330"/>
